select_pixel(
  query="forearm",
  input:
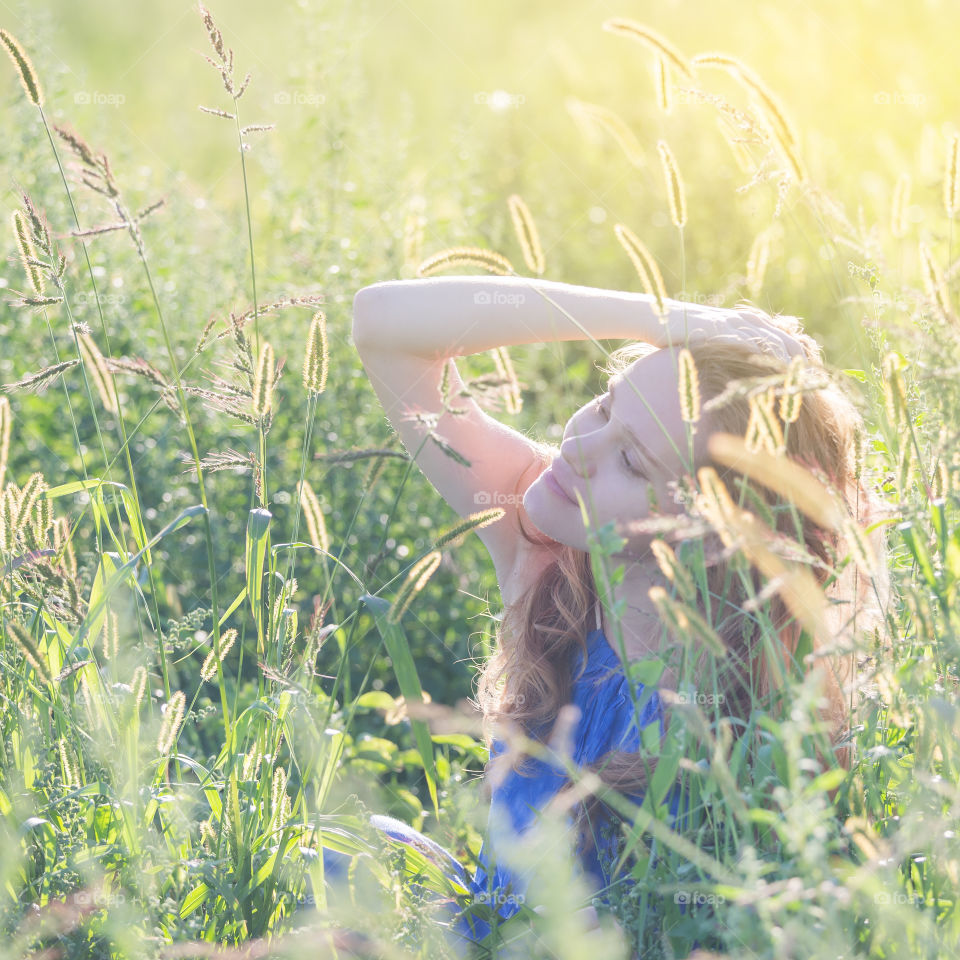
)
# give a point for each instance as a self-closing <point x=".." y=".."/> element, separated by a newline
<point x="458" y="316"/>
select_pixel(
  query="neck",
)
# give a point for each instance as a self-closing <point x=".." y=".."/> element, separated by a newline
<point x="640" y="623"/>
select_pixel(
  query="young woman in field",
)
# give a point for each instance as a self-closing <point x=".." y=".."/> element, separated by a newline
<point x="624" y="456"/>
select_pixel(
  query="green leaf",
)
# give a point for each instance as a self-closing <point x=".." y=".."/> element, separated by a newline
<point x="405" y="668"/>
<point x="258" y="527"/>
<point x="827" y="781"/>
<point x="918" y="551"/>
<point x="93" y="611"/>
<point x="376" y="700"/>
<point x="664" y="776"/>
<point x="233" y="606"/>
<point x="193" y="900"/>
<point x="647" y="672"/>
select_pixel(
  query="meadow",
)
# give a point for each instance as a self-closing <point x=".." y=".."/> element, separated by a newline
<point x="234" y="616"/>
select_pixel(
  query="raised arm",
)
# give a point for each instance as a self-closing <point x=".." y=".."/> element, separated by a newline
<point x="438" y="317"/>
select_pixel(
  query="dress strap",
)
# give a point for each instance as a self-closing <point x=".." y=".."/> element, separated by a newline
<point x="596" y="609"/>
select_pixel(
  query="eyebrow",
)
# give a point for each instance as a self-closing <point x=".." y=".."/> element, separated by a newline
<point x="631" y="433"/>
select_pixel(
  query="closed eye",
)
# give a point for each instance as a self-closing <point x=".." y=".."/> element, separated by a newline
<point x="599" y="408"/>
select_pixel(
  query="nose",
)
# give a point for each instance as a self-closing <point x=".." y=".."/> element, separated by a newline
<point x="576" y="450"/>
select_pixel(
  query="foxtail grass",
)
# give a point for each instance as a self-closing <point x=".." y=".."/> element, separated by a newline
<point x="675" y="191"/>
<point x="490" y="260"/>
<point x="526" y="231"/>
<point x="651" y="39"/>
<point x="646" y="267"/>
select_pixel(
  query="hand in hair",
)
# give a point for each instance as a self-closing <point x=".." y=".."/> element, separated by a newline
<point x="780" y="336"/>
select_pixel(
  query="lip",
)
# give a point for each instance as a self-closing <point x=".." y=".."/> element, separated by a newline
<point x="551" y="480"/>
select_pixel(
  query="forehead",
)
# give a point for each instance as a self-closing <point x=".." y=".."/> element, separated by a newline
<point x="647" y="397"/>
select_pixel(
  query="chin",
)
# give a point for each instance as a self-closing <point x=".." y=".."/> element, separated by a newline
<point x="540" y="517"/>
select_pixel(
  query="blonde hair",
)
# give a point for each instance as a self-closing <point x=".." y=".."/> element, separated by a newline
<point x="528" y="679"/>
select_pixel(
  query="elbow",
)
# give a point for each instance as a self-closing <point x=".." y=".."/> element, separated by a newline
<point x="362" y="311"/>
<point x="367" y="304"/>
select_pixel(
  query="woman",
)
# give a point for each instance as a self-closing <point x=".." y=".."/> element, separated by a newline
<point x="624" y="456"/>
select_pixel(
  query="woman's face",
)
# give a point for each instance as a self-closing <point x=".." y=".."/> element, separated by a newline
<point x="612" y="472"/>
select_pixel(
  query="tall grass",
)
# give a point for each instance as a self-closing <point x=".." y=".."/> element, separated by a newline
<point x="169" y="779"/>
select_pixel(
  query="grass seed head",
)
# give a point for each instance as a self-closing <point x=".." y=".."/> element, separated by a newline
<point x="511" y="392"/>
<point x="455" y="533"/>
<point x="416" y="580"/>
<point x="792" y="397"/>
<point x="316" y="361"/>
<point x="757" y="263"/>
<point x="96" y="366"/>
<point x="664" y="87"/>
<point x="526" y="232"/>
<point x="650" y="38"/>
<point x="675" y="191"/>
<point x="111" y="635"/>
<point x="646" y="267"/>
<point x="894" y="391"/>
<point x="951" y="180"/>
<point x="209" y="669"/>
<point x="28" y="255"/>
<point x="615" y="126"/>
<point x="263" y="382"/>
<point x="689" y="386"/>
<point x="934" y="282"/>
<point x="313" y="514"/>
<point x="138" y="685"/>
<point x="28" y="76"/>
<point x="490" y="260"/>
<point x="170" y="725"/>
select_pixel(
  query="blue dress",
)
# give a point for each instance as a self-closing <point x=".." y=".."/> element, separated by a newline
<point x="608" y="721"/>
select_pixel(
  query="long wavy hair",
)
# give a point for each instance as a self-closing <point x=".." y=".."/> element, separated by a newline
<point x="529" y="676"/>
